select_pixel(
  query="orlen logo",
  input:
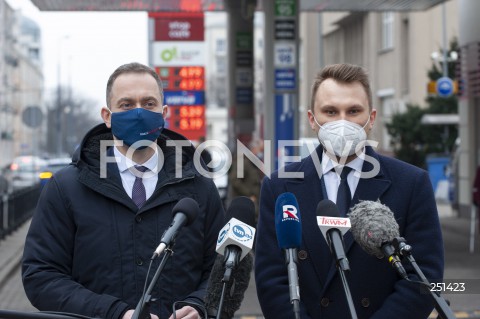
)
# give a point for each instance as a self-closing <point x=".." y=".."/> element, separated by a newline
<point x="223" y="234"/>
<point x="242" y="233"/>
<point x="334" y="221"/>
<point x="290" y="212"/>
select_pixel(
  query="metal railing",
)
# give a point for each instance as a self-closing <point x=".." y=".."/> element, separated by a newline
<point x="16" y="207"/>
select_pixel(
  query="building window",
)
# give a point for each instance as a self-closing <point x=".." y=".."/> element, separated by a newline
<point x="221" y="46"/>
<point x="388" y="106"/>
<point x="387" y="30"/>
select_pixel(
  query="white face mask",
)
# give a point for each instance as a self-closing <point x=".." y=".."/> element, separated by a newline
<point x="341" y="137"/>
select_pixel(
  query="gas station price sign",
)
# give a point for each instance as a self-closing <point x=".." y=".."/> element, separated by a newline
<point x="184" y="88"/>
<point x="186" y="78"/>
<point x="189" y="120"/>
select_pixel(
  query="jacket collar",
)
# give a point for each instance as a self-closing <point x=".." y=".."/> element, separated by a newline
<point x="87" y="158"/>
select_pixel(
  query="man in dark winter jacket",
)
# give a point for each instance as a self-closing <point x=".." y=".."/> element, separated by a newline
<point x="99" y="220"/>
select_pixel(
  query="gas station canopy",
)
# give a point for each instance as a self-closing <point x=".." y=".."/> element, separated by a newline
<point x="218" y="5"/>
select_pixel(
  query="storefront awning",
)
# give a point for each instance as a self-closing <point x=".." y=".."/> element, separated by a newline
<point x="218" y="5"/>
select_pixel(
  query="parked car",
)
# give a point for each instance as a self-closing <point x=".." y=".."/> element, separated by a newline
<point x="53" y="166"/>
<point x="23" y="171"/>
<point x="3" y="183"/>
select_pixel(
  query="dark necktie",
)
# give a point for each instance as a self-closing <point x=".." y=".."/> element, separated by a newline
<point x="139" y="195"/>
<point x="343" y="195"/>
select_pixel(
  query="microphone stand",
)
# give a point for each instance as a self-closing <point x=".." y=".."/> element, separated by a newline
<point x="142" y="311"/>
<point x="232" y="258"/>
<point x="335" y="240"/>
<point x="348" y="294"/>
<point x="291" y="260"/>
<point x="222" y="297"/>
<point x="441" y="305"/>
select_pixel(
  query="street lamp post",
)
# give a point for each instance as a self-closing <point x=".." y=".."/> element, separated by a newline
<point x="444" y="33"/>
<point x="59" y="108"/>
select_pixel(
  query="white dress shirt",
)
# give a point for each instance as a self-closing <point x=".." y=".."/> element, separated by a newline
<point x="128" y="178"/>
<point x="332" y="178"/>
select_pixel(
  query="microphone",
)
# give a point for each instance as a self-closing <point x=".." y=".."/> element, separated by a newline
<point x="373" y="228"/>
<point x="289" y="236"/>
<point x="235" y="239"/>
<point x="333" y="227"/>
<point x="235" y="288"/>
<point x="234" y="242"/>
<point x="185" y="212"/>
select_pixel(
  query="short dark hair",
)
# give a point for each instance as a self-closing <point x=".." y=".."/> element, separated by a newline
<point x="343" y="73"/>
<point x="133" y="67"/>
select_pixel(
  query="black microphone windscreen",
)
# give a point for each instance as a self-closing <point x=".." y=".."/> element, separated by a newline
<point x="235" y="289"/>
<point x="327" y="208"/>
<point x="373" y="224"/>
<point x="189" y="207"/>
<point x="243" y="209"/>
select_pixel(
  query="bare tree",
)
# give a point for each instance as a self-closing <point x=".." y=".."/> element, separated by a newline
<point x="69" y="118"/>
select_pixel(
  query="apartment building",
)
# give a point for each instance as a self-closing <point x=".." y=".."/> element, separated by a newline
<point x="395" y="47"/>
<point x="22" y="123"/>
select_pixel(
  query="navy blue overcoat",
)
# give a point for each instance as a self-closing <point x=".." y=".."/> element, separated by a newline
<point x="377" y="291"/>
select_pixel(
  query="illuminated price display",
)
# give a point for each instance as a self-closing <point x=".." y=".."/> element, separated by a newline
<point x="187" y="78"/>
<point x="189" y="85"/>
<point x="189" y="71"/>
<point x="192" y="124"/>
<point x="192" y="111"/>
<point x="188" y="120"/>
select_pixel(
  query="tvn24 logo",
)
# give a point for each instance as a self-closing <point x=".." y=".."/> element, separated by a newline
<point x="242" y="233"/>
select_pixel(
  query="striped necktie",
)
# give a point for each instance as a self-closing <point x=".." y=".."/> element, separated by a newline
<point x="139" y="195"/>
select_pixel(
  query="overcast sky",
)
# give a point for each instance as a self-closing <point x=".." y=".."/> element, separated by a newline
<point x="87" y="46"/>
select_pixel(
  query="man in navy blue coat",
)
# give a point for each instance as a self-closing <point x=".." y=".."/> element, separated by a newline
<point x="341" y="114"/>
<point x="99" y="220"/>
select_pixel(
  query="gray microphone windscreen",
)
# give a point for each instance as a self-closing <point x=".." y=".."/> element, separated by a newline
<point x="235" y="289"/>
<point x="373" y="224"/>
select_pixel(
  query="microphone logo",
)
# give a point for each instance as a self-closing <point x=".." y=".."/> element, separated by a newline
<point x="290" y="213"/>
<point x="243" y="234"/>
<point x="333" y="221"/>
<point x="223" y="233"/>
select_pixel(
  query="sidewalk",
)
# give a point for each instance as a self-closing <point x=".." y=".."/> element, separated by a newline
<point x="460" y="264"/>
<point x="11" y="251"/>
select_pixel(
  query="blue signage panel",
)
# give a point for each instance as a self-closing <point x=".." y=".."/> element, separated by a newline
<point x="444" y="87"/>
<point x="285" y="79"/>
<point x="284" y="125"/>
<point x="184" y="97"/>
<point x="244" y="96"/>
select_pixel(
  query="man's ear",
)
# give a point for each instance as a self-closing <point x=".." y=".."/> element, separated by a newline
<point x="165" y="111"/>
<point x="311" y="120"/>
<point x="373" y="116"/>
<point x="106" y="116"/>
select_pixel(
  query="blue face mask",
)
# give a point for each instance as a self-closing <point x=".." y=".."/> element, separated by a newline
<point x="136" y="125"/>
